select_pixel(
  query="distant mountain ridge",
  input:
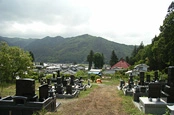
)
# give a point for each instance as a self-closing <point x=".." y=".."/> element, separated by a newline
<point x="67" y="50"/>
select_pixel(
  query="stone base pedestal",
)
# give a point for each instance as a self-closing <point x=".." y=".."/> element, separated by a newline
<point x="128" y="91"/>
<point x="171" y="108"/>
<point x="136" y="96"/>
<point x="152" y="107"/>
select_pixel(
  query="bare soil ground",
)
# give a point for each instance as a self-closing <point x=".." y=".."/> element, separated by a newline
<point x="103" y="100"/>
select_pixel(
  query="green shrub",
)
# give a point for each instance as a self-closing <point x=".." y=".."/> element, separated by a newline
<point x="93" y="78"/>
<point x="48" y="76"/>
<point x="82" y="74"/>
<point x="34" y="77"/>
<point x="97" y="77"/>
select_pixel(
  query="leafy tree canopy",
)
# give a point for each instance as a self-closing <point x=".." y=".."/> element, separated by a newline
<point x="98" y="60"/>
<point x="13" y="62"/>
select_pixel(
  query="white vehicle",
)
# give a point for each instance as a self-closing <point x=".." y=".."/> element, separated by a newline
<point x="52" y="69"/>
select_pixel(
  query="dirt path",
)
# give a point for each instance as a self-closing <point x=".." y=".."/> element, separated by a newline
<point x="103" y="100"/>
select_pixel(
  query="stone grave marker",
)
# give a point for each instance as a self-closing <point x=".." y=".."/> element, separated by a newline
<point x="58" y="73"/>
<point x="54" y="76"/>
<point x="72" y="79"/>
<point x="148" y="78"/>
<point x="130" y="82"/>
<point x="169" y="88"/>
<point x="59" y="89"/>
<point x="63" y="78"/>
<point x="26" y="87"/>
<point x="59" y="80"/>
<point x="141" y="78"/>
<point x="65" y="83"/>
<point x="43" y="92"/>
<point x="69" y="89"/>
<point x="170" y="80"/>
<point x="122" y="83"/>
<point x="154" y="91"/>
<point x="155" y="76"/>
<point x="48" y="81"/>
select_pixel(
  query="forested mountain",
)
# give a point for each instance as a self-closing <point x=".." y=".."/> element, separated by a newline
<point x="67" y="50"/>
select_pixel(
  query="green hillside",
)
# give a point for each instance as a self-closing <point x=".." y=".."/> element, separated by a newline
<point x="73" y="49"/>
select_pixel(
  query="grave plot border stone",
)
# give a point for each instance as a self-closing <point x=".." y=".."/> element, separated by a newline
<point x="152" y="107"/>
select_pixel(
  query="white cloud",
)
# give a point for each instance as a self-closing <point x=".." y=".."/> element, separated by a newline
<point x="122" y="21"/>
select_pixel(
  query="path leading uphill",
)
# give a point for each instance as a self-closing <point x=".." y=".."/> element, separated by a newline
<point x="103" y="100"/>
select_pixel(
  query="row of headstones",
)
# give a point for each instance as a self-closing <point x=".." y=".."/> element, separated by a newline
<point x="141" y="82"/>
<point x="148" y="80"/>
<point x="58" y="80"/>
<point x="63" y="84"/>
<point x="158" y="89"/>
<point x="60" y="84"/>
<point x="26" y="88"/>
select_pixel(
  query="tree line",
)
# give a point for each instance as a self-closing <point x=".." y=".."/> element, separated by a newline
<point x="98" y="59"/>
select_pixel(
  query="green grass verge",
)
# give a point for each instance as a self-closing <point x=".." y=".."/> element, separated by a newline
<point x="110" y="81"/>
<point x="128" y="105"/>
<point x="7" y="90"/>
<point x="87" y="91"/>
<point x="10" y="89"/>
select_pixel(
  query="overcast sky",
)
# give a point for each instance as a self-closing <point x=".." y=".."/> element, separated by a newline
<point x="123" y="21"/>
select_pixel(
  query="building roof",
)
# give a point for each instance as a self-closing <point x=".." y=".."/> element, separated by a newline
<point x="121" y="64"/>
<point x="141" y="65"/>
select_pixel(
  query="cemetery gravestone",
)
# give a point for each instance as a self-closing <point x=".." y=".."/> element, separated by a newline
<point x="59" y="89"/>
<point x="64" y="83"/>
<point x="54" y="76"/>
<point x="59" y="80"/>
<point x="122" y="83"/>
<point x="55" y="85"/>
<point x="130" y="82"/>
<point x="26" y="87"/>
<point x="170" y="80"/>
<point x="58" y="73"/>
<point x="154" y="91"/>
<point x="68" y="89"/>
<point x="156" y="76"/>
<point x="141" y="78"/>
<point x="148" y="78"/>
<point x="62" y="78"/>
<point x="43" y="92"/>
<point x="169" y="88"/>
<point x="72" y="80"/>
<point x="48" y="81"/>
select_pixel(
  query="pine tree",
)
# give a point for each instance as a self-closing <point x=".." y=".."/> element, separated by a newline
<point x="90" y="59"/>
<point x="114" y="59"/>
